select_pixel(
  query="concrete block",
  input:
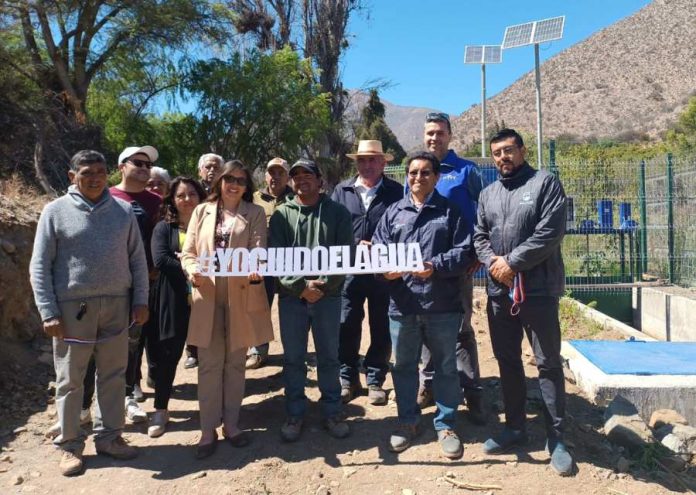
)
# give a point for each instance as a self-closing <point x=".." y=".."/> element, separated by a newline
<point x="681" y="317"/>
<point x="624" y="426"/>
<point x="653" y="316"/>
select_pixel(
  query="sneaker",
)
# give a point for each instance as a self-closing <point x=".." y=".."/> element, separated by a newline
<point x="425" y="397"/>
<point x="117" y="448"/>
<point x="71" y="462"/>
<point x="138" y="394"/>
<point x="191" y="362"/>
<point x="291" y="429"/>
<point x="450" y="444"/>
<point x="475" y="410"/>
<point x="255" y="361"/>
<point x="376" y="395"/>
<point x="133" y="411"/>
<point x="561" y="460"/>
<point x="158" y="423"/>
<point x="85" y="419"/>
<point x="349" y="391"/>
<point x="337" y="426"/>
<point x="507" y="439"/>
<point x="402" y="437"/>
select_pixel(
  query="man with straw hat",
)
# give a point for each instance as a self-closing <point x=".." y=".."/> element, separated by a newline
<point x="366" y="196"/>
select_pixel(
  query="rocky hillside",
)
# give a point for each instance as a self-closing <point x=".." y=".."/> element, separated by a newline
<point x="632" y="78"/>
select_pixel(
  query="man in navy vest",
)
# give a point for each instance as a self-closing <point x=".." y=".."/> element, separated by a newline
<point x="366" y="196"/>
<point x="460" y="182"/>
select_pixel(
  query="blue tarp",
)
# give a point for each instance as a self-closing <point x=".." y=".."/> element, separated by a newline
<point x="635" y="357"/>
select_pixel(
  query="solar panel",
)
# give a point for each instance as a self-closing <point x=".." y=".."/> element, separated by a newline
<point x="533" y="32"/>
<point x="482" y="54"/>
<point x="548" y="30"/>
<point x="518" y="35"/>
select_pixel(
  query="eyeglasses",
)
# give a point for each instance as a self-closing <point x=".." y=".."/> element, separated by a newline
<point x="423" y="173"/>
<point x="437" y="117"/>
<point x="508" y="150"/>
<point x="231" y="179"/>
<point x="140" y="163"/>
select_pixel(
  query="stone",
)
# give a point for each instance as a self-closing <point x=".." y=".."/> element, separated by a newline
<point x="8" y="247"/>
<point x="663" y="417"/>
<point x="322" y="490"/>
<point x="623" y="465"/>
<point x="19" y="429"/>
<point x="5" y="458"/>
<point x="681" y="439"/>
<point x="673" y="462"/>
<point x="623" y="426"/>
<point x="199" y="475"/>
<point x="16" y="480"/>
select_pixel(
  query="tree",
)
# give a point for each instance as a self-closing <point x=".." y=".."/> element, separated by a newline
<point x="258" y="106"/>
<point x="373" y="126"/>
<point x="683" y="136"/>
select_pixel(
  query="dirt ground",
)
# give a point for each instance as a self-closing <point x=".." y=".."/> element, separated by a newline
<point x="317" y="464"/>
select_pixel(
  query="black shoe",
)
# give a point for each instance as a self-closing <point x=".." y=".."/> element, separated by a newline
<point x="507" y="439"/>
<point x="239" y="440"/>
<point x="475" y="410"/>
<point x="425" y="397"/>
<point x="191" y="362"/>
<point x="206" y="450"/>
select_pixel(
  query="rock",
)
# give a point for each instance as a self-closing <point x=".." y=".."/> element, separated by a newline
<point x="450" y="474"/>
<point x="673" y="462"/>
<point x="663" y="417"/>
<point x="348" y="472"/>
<point x="322" y="490"/>
<point x="199" y="475"/>
<point x="680" y="440"/>
<point x="623" y="426"/>
<point x="8" y="247"/>
<point x="534" y="394"/>
<point x="16" y="480"/>
<point x="623" y="465"/>
<point x="19" y="429"/>
<point x="5" y="458"/>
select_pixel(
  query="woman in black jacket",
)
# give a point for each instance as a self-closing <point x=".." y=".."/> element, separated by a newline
<point x="171" y="296"/>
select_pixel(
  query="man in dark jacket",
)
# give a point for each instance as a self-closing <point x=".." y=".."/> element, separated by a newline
<point x="521" y="223"/>
<point x="426" y="305"/>
<point x="366" y="197"/>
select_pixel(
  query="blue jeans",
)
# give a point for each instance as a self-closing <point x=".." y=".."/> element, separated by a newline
<point x="296" y="317"/>
<point x="439" y="331"/>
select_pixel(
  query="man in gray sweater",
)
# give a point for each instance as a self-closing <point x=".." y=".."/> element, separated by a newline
<point x="89" y="275"/>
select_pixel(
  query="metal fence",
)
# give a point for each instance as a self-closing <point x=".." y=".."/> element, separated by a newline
<point x="628" y="222"/>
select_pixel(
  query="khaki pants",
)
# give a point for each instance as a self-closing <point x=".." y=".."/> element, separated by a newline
<point x="220" y="372"/>
<point x="103" y="317"/>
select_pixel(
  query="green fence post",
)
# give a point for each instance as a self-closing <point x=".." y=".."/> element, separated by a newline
<point x="643" y="223"/>
<point x="552" y="157"/>
<point x="670" y="218"/>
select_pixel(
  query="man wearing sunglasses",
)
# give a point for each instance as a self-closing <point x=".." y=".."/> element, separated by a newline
<point x="460" y="182"/>
<point x="135" y="163"/>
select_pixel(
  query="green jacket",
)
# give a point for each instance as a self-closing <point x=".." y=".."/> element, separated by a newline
<point x="326" y="223"/>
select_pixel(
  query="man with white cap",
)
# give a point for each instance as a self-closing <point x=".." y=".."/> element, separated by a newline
<point x="274" y="194"/>
<point x="366" y="196"/>
<point x="135" y="163"/>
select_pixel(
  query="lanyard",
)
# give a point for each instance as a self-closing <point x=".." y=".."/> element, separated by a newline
<point x="517" y="294"/>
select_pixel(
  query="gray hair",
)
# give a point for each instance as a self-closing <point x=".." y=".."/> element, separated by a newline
<point x="208" y="156"/>
<point x="86" y="157"/>
<point x="162" y="173"/>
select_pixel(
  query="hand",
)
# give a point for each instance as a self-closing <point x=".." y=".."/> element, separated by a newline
<point x="140" y="314"/>
<point x="195" y="278"/>
<point x="255" y="278"/>
<point x="313" y="291"/>
<point x="365" y="243"/>
<point x="501" y="271"/>
<point x="427" y="271"/>
<point x="392" y="275"/>
<point x="475" y="266"/>
<point x="178" y="255"/>
<point x="54" y="328"/>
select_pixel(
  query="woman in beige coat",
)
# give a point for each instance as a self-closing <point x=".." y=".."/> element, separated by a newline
<point x="228" y="314"/>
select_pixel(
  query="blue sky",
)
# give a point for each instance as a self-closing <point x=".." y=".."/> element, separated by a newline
<point x="418" y="45"/>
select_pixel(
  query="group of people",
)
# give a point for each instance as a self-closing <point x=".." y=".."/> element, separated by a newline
<point x="116" y="271"/>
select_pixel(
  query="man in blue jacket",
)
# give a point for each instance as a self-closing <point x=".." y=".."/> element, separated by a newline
<point x="366" y="197"/>
<point x="521" y="224"/>
<point x="426" y="305"/>
<point x="460" y="182"/>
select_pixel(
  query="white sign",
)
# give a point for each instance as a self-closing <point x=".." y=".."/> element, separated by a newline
<point x="319" y="260"/>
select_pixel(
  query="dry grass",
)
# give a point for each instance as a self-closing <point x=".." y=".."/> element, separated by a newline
<point x="19" y="201"/>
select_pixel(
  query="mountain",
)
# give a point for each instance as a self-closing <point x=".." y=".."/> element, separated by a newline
<point x="628" y="80"/>
<point x="405" y="122"/>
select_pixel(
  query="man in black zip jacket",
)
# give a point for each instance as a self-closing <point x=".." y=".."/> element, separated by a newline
<point x="521" y="224"/>
<point x="366" y="197"/>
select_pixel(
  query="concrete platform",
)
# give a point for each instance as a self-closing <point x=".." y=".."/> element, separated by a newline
<point x="647" y="393"/>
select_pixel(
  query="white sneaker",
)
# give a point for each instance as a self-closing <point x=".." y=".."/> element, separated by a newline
<point x="85" y="419"/>
<point x="158" y="423"/>
<point x="133" y="411"/>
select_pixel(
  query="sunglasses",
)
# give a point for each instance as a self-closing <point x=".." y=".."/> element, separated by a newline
<point x="230" y="179"/>
<point x="140" y="163"/>
<point x="437" y="117"/>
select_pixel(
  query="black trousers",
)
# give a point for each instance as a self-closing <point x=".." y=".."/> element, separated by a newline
<point x="136" y="345"/>
<point x="357" y="289"/>
<point x="163" y="357"/>
<point x="538" y="318"/>
<point x="466" y="350"/>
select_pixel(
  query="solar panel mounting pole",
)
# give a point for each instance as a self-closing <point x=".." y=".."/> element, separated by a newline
<point x="483" y="54"/>
<point x="483" y="110"/>
<point x="540" y="141"/>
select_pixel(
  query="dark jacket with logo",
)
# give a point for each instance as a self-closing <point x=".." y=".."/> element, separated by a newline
<point x="365" y="221"/>
<point x="523" y="219"/>
<point x="441" y="231"/>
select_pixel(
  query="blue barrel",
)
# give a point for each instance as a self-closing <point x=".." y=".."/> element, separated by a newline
<point x="605" y="213"/>
<point x="624" y="213"/>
